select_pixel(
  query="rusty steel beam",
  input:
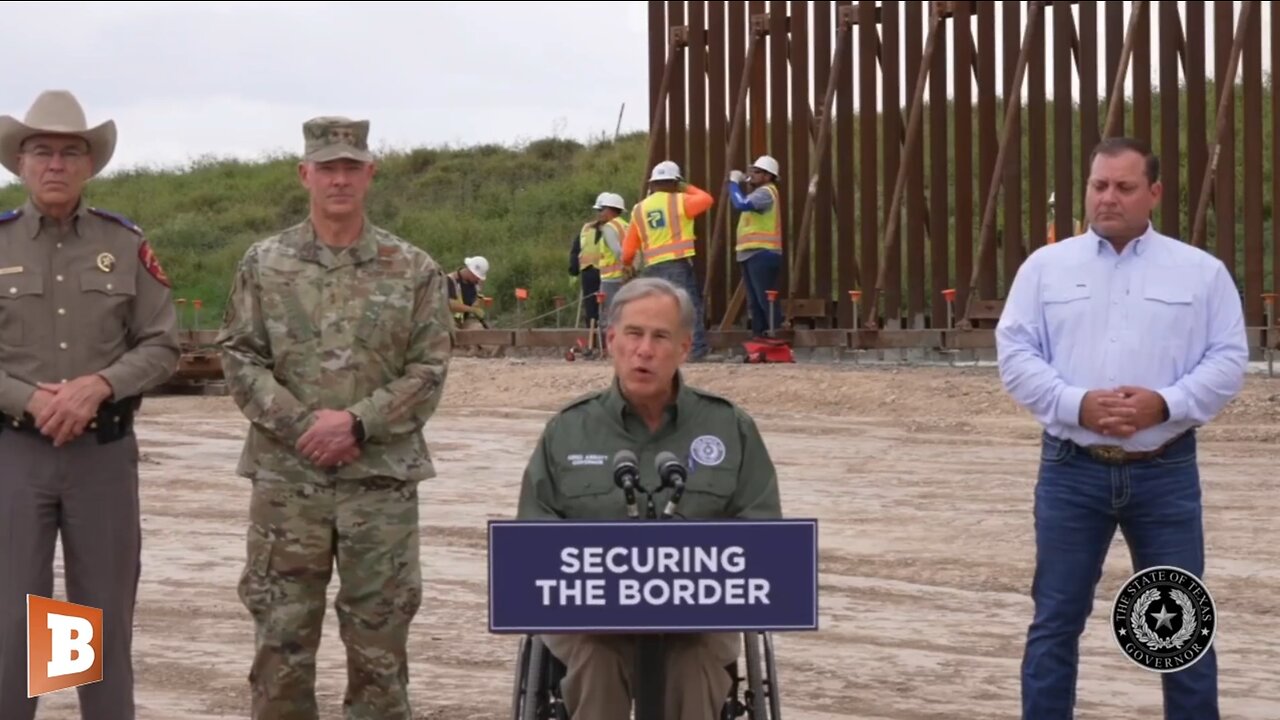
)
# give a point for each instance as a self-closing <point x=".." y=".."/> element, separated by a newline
<point x="1227" y="83"/>
<point x="843" y="33"/>
<point x="759" y="31"/>
<point x="1013" y="105"/>
<point x="678" y="41"/>
<point x="1116" y="104"/>
<point x="913" y="142"/>
<point x="775" y="109"/>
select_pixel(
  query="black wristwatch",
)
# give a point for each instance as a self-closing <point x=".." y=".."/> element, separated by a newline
<point x="357" y="428"/>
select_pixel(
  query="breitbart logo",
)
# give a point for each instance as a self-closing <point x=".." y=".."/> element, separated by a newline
<point x="1164" y="619"/>
<point x="64" y="645"/>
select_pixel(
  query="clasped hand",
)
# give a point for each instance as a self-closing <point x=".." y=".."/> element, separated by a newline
<point x="1122" y="411"/>
<point x="330" y="441"/>
<point x="62" y="410"/>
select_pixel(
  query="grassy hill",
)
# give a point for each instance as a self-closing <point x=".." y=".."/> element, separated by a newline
<point x="517" y="207"/>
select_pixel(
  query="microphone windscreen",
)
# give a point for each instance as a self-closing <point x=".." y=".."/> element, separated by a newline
<point x="664" y="458"/>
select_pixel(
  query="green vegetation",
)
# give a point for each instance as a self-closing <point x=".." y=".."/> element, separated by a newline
<point x="521" y="206"/>
<point x="518" y="207"/>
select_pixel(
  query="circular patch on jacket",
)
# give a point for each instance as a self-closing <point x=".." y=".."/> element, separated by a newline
<point x="1164" y="619"/>
<point x="707" y="450"/>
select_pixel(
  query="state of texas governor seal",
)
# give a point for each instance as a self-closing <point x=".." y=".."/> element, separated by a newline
<point x="1164" y="619"/>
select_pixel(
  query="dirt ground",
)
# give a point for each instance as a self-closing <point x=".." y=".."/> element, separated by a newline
<point x="921" y="480"/>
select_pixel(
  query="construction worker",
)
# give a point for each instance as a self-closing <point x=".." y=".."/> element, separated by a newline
<point x="661" y="230"/>
<point x="598" y="260"/>
<point x="1052" y="233"/>
<point x="464" y="293"/>
<point x="759" y="245"/>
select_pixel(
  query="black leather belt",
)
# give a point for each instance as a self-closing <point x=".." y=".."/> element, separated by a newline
<point x="113" y="422"/>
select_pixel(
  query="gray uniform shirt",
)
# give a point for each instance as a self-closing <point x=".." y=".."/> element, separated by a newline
<point x="90" y="298"/>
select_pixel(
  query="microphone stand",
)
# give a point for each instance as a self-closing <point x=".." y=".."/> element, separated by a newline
<point x="651" y="670"/>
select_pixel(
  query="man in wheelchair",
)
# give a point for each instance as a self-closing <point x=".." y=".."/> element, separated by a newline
<point x="648" y="408"/>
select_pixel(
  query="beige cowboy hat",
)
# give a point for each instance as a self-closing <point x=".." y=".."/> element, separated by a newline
<point x="56" y="112"/>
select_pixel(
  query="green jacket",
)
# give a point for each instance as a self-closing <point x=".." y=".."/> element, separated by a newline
<point x="366" y="329"/>
<point x="570" y="475"/>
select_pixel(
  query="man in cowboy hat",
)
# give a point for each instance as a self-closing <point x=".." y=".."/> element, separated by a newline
<point x="87" y="325"/>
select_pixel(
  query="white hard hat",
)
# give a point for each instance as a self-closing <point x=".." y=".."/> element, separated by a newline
<point x="767" y="164"/>
<point x="665" y="170"/>
<point x="1050" y="198"/>
<point x="609" y="200"/>
<point x="477" y="265"/>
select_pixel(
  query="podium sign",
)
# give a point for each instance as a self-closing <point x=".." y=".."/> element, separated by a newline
<point x="652" y="576"/>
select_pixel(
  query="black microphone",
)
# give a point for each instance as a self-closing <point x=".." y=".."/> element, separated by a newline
<point x="671" y="474"/>
<point x="626" y="475"/>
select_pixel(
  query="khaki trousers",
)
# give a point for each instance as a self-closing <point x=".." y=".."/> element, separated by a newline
<point x="88" y="493"/>
<point x="600" y="674"/>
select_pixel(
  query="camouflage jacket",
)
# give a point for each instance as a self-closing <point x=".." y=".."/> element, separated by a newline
<point x="365" y="329"/>
<point x="570" y="474"/>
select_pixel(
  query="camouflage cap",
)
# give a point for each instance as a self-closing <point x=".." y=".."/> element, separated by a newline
<point x="334" y="137"/>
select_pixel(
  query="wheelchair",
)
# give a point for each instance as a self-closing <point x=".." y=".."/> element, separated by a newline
<point x="536" y="695"/>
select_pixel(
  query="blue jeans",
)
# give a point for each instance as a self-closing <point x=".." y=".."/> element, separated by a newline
<point x="759" y="275"/>
<point x="681" y="274"/>
<point x="1079" y="503"/>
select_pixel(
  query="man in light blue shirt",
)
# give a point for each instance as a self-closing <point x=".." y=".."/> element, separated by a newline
<point x="1126" y="338"/>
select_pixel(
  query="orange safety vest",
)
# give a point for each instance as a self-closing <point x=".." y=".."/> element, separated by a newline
<point x="666" y="231"/>
<point x="1053" y="231"/>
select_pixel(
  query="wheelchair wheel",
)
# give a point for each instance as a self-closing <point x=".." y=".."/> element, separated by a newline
<point x="535" y="680"/>
<point x="755" y="683"/>
<point x="520" y="691"/>
<point x="536" y="695"/>
<point x="771" y="678"/>
<point x="733" y="707"/>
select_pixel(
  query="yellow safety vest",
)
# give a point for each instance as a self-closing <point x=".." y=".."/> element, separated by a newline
<point x="588" y="250"/>
<point x="666" y="232"/>
<point x="459" y="317"/>
<point x="761" y="231"/>
<point x="611" y="265"/>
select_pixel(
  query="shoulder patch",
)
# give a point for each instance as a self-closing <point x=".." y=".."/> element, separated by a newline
<point x="8" y="215"/>
<point x="708" y="395"/>
<point x="583" y="399"/>
<point x="152" y="263"/>
<point x="117" y="218"/>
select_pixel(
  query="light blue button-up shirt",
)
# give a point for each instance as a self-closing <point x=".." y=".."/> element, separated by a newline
<point x="1163" y="315"/>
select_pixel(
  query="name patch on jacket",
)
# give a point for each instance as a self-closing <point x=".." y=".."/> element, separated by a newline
<point x="577" y="459"/>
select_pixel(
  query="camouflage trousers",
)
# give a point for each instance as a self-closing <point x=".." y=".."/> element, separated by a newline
<point x="300" y="528"/>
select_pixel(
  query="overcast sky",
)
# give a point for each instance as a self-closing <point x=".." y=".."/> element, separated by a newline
<point x="188" y="79"/>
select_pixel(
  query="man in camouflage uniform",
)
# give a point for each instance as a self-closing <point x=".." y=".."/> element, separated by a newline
<point x="335" y="344"/>
<point x="647" y="409"/>
<point x="87" y="325"/>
